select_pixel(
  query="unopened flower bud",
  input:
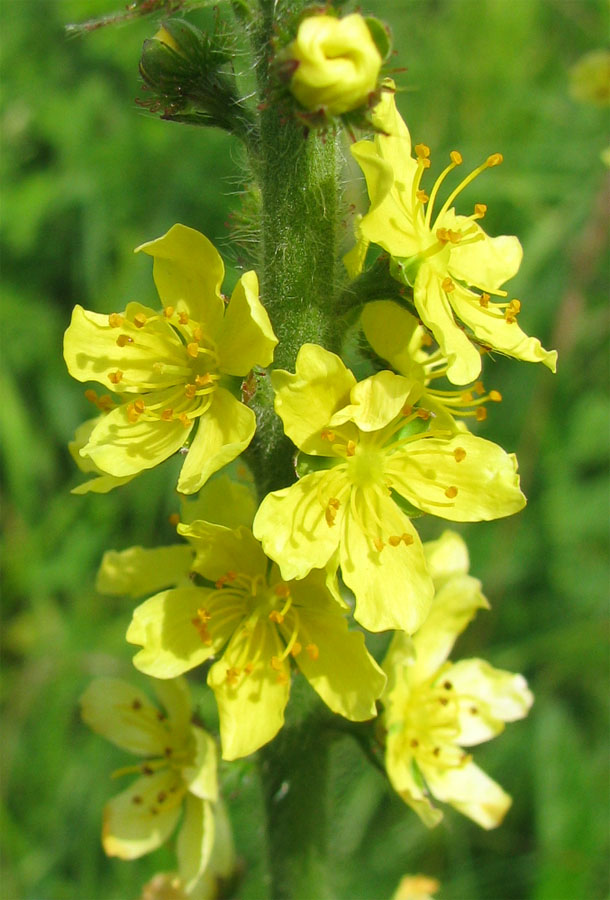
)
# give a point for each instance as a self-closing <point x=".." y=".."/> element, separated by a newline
<point x="337" y="63"/>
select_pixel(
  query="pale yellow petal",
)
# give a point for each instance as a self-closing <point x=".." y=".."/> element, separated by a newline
<point x="220" y="550"/>
<point x="175" y="697"/>
<point x="471" y="792"/>
<point x="195" y="840"/>
<point x="447" y="556"/>
<point x="223" y="433"/>
<point x="223" y="501"/>
<point x="201" y="775"/>
<point x="245" y="338"/>
<point x="123" y="714"/>
<point x="306" y="400"/>
<point x="188" y="272"/>
<point x="142" y="817"/>
<point x="139" y="571"/>
<point x="374" y="402"/>
<point x="395" y="335"/>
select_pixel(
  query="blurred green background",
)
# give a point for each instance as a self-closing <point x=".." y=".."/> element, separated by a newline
<point x="87" y="176"/>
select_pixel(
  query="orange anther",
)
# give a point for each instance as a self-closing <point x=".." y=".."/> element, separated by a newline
<point x="232" y="675"/>
<point x="456" y="157"/>
<point x="448" y="285"/>
<point x="139" y="320"/>
<point x="495" y="159"/>
<point x="442" y="235"/>
<point x="479" y="210"/>
<point x="115" y="377"/>
<point x="312" y="651"/>
<point x="423" y="414"/>
<point x="197" y="333"/>
<point x="281" y="590"/>
<point x="406" y="410"/>
<point x="481" y="414"/>
<point x="276" y="616"/>
<point x="422" y="196"/>
<point x="327" y="435"/>
<point x="91" y="396"/>
<point x="248" y="668"/>
<point x="105" y="402"/>
<point x="296" y="649"/>
<point x="139" y="405"/>
<point x="351" y="448"/>
<point x="185" y="420"/>
<point x="168" y="414"/>
<point x="451" y="492"/>
<point x="495" y="396"/>
<point x="124" y="339"/>
<point x="467" y="397"/>
<point x="203" y="380"/>
<point x="484" y="300"/>
<point x="277" y="664"/>
<point x="378" y="543"/>
<point x="115" y="320"/>
<point x="459" y="454"/>
<point x="190" y="390"/>
<point x="183" y="318"/>
<point x="193" y="349"/>
<point x="422" y="151"/>
<point x="168" y="312"/>
<point x="479" y="387"/>
<point x="174" y="519"/>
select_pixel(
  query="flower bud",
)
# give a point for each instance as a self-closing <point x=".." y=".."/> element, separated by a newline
<point x="336" y="61"/>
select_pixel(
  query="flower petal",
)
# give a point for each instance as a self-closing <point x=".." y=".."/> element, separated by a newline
<point x="139" y="571"/>
<point x="433" y="475"/>
<point x="463" y="359"/>
<point x="375" y="401"/>
<point x="446" y="557"/>
<point x="147" y="361"/>
<point x="220" y="550"/>
<point x="395" y="335"/>
<point x="293" y="529"/>
<point x="124" y="715"/>
<point x="195" y="840"/>
<point x="406" y="780"/>
<point x="163" y="627"/>
<point x="487" y="262"/>
<point x="201" y="775"/>
<point x="223" y="501"/>
<point x="492" y="328"/>
<point x="251" y="709"/>
<point x="306" y="400"/>
<point x="188" y="273"/>
<point x="342" y="672"/>
<point x="175" y="697"/>
<point x="489" y="697"/>
<point x="245" y="338"/>
<point x="122" y="448"/>
<point x="136" y="821"/>
<point x="392" y="586"/>
<point x="223" y="433"/>
<point x="471" y="792"/>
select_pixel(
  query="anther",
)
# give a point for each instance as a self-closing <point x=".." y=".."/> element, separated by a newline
<point x="378" y="543"/>
<point x="124" y="339"/>
<point x="193" y="349"/>
<point x="115" y="377"/>
<point x="277" y="664"/>
<point x="281" y="590"/>
<point x="296" y="649"/>
<point x="190" y="390"/>
<point x="91" y="396"/>
<point x="136" y="799"/>
<point x="403" y="538"/>
<point x="459" y="454"/>
<point x="168" y="312"/>
<point x="423" y="414"/>
<point x="406" y="410"/>
<point x="185" y="420"/>
<point x="495" y="396"/>
<point x="115" y="320"/>
<point x="479" y="387"/>
<point x="183" y="318"/>
<point x="198" y="334"/>
<point x="479" y="210"/>
<point x="174" y="519"/>
<point x="203" y="380"/>
<point x="422" y="151"/>
<point x="331" y="511"/>
<point x="494" y="160"/>
<point x="448" y="285"/>
<point x="139" y="320"/>
<point x="168" y="414"/>
<point x="327" y="435"/>
<point x="232" y="675"/>
<point x="276" y="616"/>
<point x="484" y="300"/>
<point x="105" y="402"/>
<point x="456" y="157"/>
<point x="414" y="743"/>
<point x="351" y="448"/>
<point x="312" y="651"/>
<point x="451" y="492"/>
<point x="248" y="668"/>
<point x="442" y="235"/>
<point x="422" y="196"/>
<point x="481" y="414"/>
<point x="473" y="711"/>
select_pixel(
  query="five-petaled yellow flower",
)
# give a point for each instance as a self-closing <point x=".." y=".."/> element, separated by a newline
<point x="337" y="63"/>
<point x="261" y="623"/>
<point x="173" y="368"/>
<point x="372" y="457"/>
<point x="454" y="267"/>
<point x="176" y="778"/>
<point x="435" y="708"/>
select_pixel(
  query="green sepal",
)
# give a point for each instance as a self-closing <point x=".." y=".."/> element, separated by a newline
<point x="381" y="36"/>
<point x="404" y="269"/>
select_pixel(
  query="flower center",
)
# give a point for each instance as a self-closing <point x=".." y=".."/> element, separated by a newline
<point x="430" y="726"/>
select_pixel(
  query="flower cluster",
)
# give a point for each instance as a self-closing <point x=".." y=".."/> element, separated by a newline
<point x="286" y="583"/>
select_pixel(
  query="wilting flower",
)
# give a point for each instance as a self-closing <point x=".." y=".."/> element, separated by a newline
<point x="454" y="267"/>
<point x="260" y="623"/>
<point x="173" y="369"/>
<point x="336" y="63"/>
<point x="177" y="776"/>
<point x="435" y="708"/>
<point x="397" y="337"/>
<point x="372" y="459"/>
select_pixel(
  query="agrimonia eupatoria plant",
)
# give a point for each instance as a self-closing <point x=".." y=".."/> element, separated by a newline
<point x="301" y="483"/>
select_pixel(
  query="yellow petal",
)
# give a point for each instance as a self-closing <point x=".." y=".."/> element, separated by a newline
<point x="223" y="433"/>
<point x="137" y="821"/>
<point x="251" y="706"/>
<point x="195" y="840"/>
<point x="201" y="775"/>
<point x="139" y="571"/>
<point x="220" y="550"/>
<point x="293" y="530"/>
<point x="470" y="791"/>
<point x="392" y="587"/>
<point x="306" y="400"/>
<point x="463" y="359"/>
<point x="395" y="335"/>
<point x="175" y="697"/>
<point x="491" y="697"/>
<point x="482" y="485"/>
<point x="123" y="714"/>
<point x="447" y="556"/>
<point x="223" y="501"/>
<point x="123" y="448"/>
<point x="188" y="273"/>
<point x="375" y="401"/>
<point x="163" y="627"/>
<point x="245" y="338"/>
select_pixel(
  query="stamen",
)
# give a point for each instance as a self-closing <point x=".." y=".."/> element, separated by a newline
<point x="447" y="285"/>
<point x="396" y="539"/>
<point x="183" y="318"/>
<point x="312" y="651"/>
<point x="481" y="414"/>
<point x="193" y="349"/>
<point x="451" y="492"/>
<point x="115" y="320"/>
<point x="421" y="196"/>
<point x="331" y="511"/>
<point x="484" y="300"/>
<point x="479" y="210"/>
<point x="495" y="396"/>
<point x="351" y="448"/>
<point x="459" y="454"/>
<point x="124" y="339"/>
<point x="115" y="377"/>
<point x="168" y="414"/>
<point x="168" y="312"/>
<point x="139" y="320"/>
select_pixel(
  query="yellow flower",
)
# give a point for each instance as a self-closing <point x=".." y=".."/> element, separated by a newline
<point x="435" y="708"/>
<point x="454" y="267"/>
<point x="177" y="776"/>
<point x="101" y="483"/>
<point x="172" y="369"/>
<point x="372" y="460"/>
<point x="337" y="63"/>
<point x="397" y="337"/>
<point x="260" y="622"/>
